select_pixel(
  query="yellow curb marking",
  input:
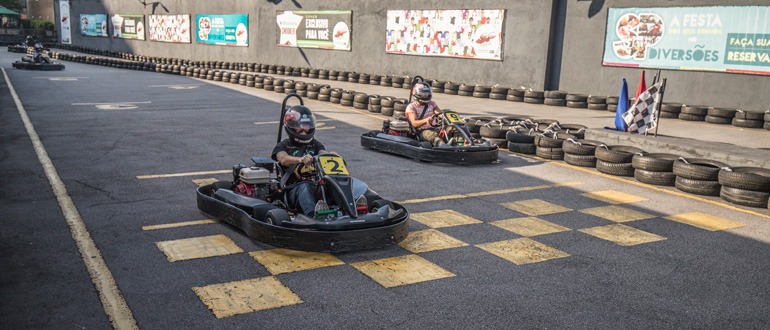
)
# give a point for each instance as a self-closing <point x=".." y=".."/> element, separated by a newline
<point x="523" y="251"/>
<point x="242" y="297"/>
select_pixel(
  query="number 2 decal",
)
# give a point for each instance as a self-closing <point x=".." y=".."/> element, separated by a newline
<point x="334" y="165"/>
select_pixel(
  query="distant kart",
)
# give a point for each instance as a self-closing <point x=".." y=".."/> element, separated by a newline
<point x="400" y="138"/>
<point x="256" y="203"/>
<point x="40" y="62"/>
<point x="18" y="48"/>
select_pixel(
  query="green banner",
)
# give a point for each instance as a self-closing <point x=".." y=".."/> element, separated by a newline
<point x="127" y="26"/>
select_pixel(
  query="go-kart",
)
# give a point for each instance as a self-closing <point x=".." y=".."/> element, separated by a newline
<point x="399" y="137"/>
<point x="256" y="202"/>
<point x="18" y="48"/>
<point x="38" y="61"/>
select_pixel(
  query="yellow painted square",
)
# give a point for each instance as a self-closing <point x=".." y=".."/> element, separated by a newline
<point x="443" y="218"/>
<point x="241" y="297"/>
<point x="622" y="235"/>
<point x="403" y="270"/>
<point x="523" y="251"/>
<point x="198" y="247"/>
<point x="705" y="221"/>
<point x="279" y="261"/>
<point x="430" y="240"/>
<point x="530" y="226"/>
<point x="203" y="182"/>
<point x="535" y="207"/>
<point x="614" y="197"/>
<point x="617" y="213"/>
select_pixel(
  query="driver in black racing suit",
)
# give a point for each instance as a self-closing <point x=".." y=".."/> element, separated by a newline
<point x="299" y="149"/>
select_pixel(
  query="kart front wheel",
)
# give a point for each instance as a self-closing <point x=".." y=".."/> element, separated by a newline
<point x="380" y="203"/>
<point x="276" y="217"/>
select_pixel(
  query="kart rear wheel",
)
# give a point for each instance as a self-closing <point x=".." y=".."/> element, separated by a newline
<point x="276" y="217"/>
<point x="377" y="204"/>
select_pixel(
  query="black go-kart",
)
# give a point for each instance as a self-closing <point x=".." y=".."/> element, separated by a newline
<point x="255" y="201"/>
<point x="41" y="61"/>
<point x="399" y="137"/>
<point x="18" y="48"/>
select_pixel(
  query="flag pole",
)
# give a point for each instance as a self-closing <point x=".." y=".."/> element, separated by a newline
<point x="658" y="104"/>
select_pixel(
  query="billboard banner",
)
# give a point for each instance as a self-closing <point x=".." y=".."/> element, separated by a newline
<point x="465" y="33"/>
<point x="169" y="28"/>
<point x="65" y="28"/>
<point x="93" y="25"/>
<point x="128" y="26"/>
<point x="732" y="39"/>
<point x="327" y="29"/>
<point x="229" y="30"/>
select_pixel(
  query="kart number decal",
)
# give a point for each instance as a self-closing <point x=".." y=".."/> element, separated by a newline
<point x="453" y="117"/>
<point x="333" y="165"/>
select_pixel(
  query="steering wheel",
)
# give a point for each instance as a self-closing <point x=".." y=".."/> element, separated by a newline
<point x="435" y="120"/>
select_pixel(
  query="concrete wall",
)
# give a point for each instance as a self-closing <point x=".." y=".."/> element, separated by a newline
<point x="563" y="52"/>
<point x="582" y="69"/>
<point x="524" y="56"/>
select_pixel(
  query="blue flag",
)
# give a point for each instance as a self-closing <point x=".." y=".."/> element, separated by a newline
<point x="620" y="124"/>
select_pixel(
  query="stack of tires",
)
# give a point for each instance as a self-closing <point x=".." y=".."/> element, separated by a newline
<point x="767" y="120"/>
<point x="534" y="97"/>
<point x="748" y="119"/>
<point x="747" y="186"/>
<point x="694" y="112"/>
<point x="515" y="95"/>
<point x="548" y="145"/>
<point x="580" y="152"/>
<point x="451" y="88"/>
<point x="361" y="101"/>
<point x="698" y="176"/>
<point x="578" y="101"/>
<point x="495" y="132"/>
<point x="474" y="124"/>
<point x="655" y="168"/>
<point x="670" y="110"/>
<point x="722" y="116"/>
<point x="498" y="93"/>
<point x="437" y="86"/>
<point x="555" y="98"/>
<point x="521" y="139"/>
<point x="374" y="104"/>
<point x="596" y="102"/>
<point x="481" y="92"/>
<point x="347" y="97"/>
<point x="616" y="160"/>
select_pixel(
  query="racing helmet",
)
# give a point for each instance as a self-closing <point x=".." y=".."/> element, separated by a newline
<point x="422" y="92"/>
<point x="299" y="123"/>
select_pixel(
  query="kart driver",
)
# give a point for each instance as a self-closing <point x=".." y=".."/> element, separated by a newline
<point x="38" y="54"/>
<point x="299" y="149"/>
<point x="421" y="114"/>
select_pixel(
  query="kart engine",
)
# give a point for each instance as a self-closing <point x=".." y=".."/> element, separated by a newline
<point x="396" y="127"/>
<point x="254" y="181"/>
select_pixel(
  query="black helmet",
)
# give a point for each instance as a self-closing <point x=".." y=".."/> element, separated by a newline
<point x="299" y="123"/>
<point x="422" y="93"/>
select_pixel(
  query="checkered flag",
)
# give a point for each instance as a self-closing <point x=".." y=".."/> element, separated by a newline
<point x="642" y="116"/>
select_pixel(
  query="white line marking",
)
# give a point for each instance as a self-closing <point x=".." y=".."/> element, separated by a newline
<point x="112" y="299"/>
<point x="108" y="103"/>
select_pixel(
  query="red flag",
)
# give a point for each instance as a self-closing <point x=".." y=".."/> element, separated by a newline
<point x="642" y="87"/>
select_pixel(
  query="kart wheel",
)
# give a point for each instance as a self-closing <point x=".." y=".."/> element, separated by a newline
<point x="375" y="205"/>
<point x="276" y="217"/>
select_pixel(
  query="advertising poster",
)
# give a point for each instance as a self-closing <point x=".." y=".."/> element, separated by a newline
<point x="327" y="29"/>
<point x="169" y="28"/>
<point x="93" y="25"/>
<point x="65" y="28"/>
<point x="128" y="26"/>
<point x="229" y="30"/>
<point x="718" y="38"/>
<point x="465" y="33"/>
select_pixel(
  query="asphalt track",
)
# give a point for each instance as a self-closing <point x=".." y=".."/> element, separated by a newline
<point x="130" y="148"/>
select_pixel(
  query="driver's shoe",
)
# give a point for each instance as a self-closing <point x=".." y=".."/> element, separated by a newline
<point x="320" y="206"/>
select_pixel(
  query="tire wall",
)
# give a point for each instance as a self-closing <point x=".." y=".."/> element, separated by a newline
<point x="525" y="43"/>
<point x="582" y="70"/>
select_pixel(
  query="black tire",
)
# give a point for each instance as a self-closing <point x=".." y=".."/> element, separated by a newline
<point x="497" y="96"/>
<point x="718" y="120"/>
<point x="597" y="106"/>
<point x="691" y="117"/>
<point x="698" y="169"/>
<point x="386" y="111"/>
<point x="577" y="98"/>
<point x="379" y="203"/>
<point x="501" y="143"/>
<point x="574" y="129"/>
<point x="521" y="134"/>
<point x="747" y="178"/>
<point x="481" y="95"/>
<point x="722" y="112"/>
<point x="495" y="132"/>
<point x="555" y="140"/>
<point x="555" y="102"/>
<point x="550" y="153"/>
<point x="580" y="160"/>
<point x="577" y="104"/>
<point x="697" y="187"/>
<point x="750" y="115"/>
<point x="596" y="99"/>
<point x="580" y="147"/>
<point x="616" y="154"/>
<point x="558" y="95"/>
<point x="516" y="92"/>
<point x="672" y="107"/>
<point x="619" y="169"/>
<point x="698" y="110"/>
<point x="747" y="123"/>
<point x="276" y="217"/>
<point x="666" y="114"/>
<point x="522" y="148"/>
<point x="655" y="162"/>
<point x="655" y="178"/>
<point x="374" y="108"/>
<point x="533" y="100"/>
<point x="514" y="98"/>
<point x="744" y="197"/>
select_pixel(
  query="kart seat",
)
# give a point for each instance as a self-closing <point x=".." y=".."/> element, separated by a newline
<point x="254" y="206"/>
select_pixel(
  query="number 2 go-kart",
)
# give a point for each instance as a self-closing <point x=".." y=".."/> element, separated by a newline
<point x="256" y="203"/>
<point x="400" y="138"/>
